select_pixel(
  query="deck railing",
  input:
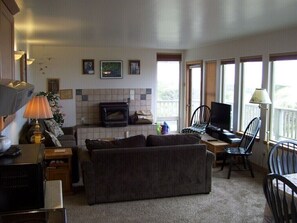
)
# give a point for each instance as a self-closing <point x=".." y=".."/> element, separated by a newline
<point x="283" y="126"/>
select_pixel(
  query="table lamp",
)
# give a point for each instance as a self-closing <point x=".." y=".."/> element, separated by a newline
<point x="38" y="108"/>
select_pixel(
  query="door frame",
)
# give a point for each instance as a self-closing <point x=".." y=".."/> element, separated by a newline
<point x="188" y="88"/>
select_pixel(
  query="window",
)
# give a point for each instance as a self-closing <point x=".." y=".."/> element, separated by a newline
<point x="196" y="87"/>
<point x="228" y="80"/>
<point x="283" y="124"/>
<point x="168" y="82"/>
<point x="251" y="71"/>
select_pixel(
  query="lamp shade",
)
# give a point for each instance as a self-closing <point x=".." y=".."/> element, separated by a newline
<point x="260" y="96"/>
<point x="30" y="61"/>
<point x="38" y="108"/>
<point x="18" y="54"/>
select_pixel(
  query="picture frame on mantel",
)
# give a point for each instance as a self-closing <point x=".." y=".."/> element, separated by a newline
<point x="88" y="66"/>
<point x="134" y="67"/>
<point x="111" y="69"/>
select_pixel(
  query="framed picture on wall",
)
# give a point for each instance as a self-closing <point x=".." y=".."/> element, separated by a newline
<point x="53" y="85"/>
<point x="66" y="94"/>
<point x="134" y="66"/>
<point x="88" y="66"/>
<point x="111" y="69"/>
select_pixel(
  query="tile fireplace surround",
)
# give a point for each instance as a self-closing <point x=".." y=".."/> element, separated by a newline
<point x="88" y="118"/>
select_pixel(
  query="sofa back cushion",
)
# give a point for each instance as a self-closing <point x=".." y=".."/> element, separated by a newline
<point x="173" y="139"/>
<point x="133" y="141"/>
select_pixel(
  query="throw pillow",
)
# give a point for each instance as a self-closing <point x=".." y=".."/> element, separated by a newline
<point x="54" y="127"/>
<point x="173" y="139"/>
<point x="133" y="141"/>
<point x="54" y="139"/>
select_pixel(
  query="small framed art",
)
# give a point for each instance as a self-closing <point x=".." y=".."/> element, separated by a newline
<point x="53" y="85"/>
<point x="111" y="69"/>
<point x="88" y="66"/>
<point x="66" y="94"/>
<point x="134" y="66"/>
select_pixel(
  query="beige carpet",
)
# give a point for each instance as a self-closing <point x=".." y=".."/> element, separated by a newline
<point x="239" y="199"/>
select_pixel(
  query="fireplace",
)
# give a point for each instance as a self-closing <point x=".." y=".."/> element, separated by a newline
<point x="114" y="114"/>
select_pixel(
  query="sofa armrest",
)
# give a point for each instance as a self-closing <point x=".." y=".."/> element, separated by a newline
<point x="210" y="157"/>
<point x="88" y="175"/>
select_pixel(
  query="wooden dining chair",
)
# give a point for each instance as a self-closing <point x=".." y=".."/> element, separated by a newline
<point x="244" y="149"/>
<point x="282" y="158"/>
<point x="199" y="121"/>
<point x="281" y="196"/>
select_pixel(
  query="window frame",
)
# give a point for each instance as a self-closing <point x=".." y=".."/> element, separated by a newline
<point x="171" y="57"/>
<point x="243" y="60"/>
<point x="273" y="58"/>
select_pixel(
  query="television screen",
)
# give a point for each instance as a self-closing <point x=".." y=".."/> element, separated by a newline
<point x="220" y="115"/>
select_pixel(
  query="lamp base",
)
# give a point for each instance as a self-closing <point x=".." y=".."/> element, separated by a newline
<point x="36" y="138"/>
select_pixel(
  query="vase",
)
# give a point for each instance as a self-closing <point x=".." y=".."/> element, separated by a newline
<point x="5" y="143"/>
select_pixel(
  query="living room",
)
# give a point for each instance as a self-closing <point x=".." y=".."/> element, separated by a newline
<point x="66" y="65"/>
<point x="64" y="62"/>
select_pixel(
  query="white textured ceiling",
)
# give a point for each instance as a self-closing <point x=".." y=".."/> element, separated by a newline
<point x="162" y="24"/>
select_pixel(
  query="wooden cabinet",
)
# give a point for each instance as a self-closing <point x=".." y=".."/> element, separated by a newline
<point x="8" y="8"/>
<point x="58" y="167"/>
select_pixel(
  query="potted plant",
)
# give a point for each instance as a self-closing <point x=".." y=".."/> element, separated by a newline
<point x="53" y="100"/>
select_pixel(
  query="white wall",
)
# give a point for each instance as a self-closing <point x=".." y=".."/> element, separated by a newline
<point x="269" y="43"/>
<point x="282" y="41"/>
<point x="66" y="64"/>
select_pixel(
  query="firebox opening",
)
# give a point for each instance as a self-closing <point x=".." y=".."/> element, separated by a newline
<point x="114" y="114"/>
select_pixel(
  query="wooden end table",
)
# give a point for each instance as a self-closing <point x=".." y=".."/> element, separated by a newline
<point x="58" y="167"/>
<point x="214" y="145"/>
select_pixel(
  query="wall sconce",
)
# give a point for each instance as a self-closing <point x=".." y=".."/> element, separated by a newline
<point x="18" y="54"/>
<point x="30" y="61"/>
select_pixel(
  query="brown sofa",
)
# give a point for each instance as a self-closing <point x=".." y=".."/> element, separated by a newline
<point x="138" y="168"/>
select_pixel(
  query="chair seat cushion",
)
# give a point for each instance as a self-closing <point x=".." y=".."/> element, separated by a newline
<point x="236" y="151"/>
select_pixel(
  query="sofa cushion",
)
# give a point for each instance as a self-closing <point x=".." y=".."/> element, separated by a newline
<point x="54" y="139"/>
<point x="172" y="139"/>
<point x="54" y="127"/>
<point x="133" y="141"/>
<point x="67" y="140"/>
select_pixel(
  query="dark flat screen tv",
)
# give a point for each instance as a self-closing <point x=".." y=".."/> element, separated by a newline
<point x="220" y="116"/>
